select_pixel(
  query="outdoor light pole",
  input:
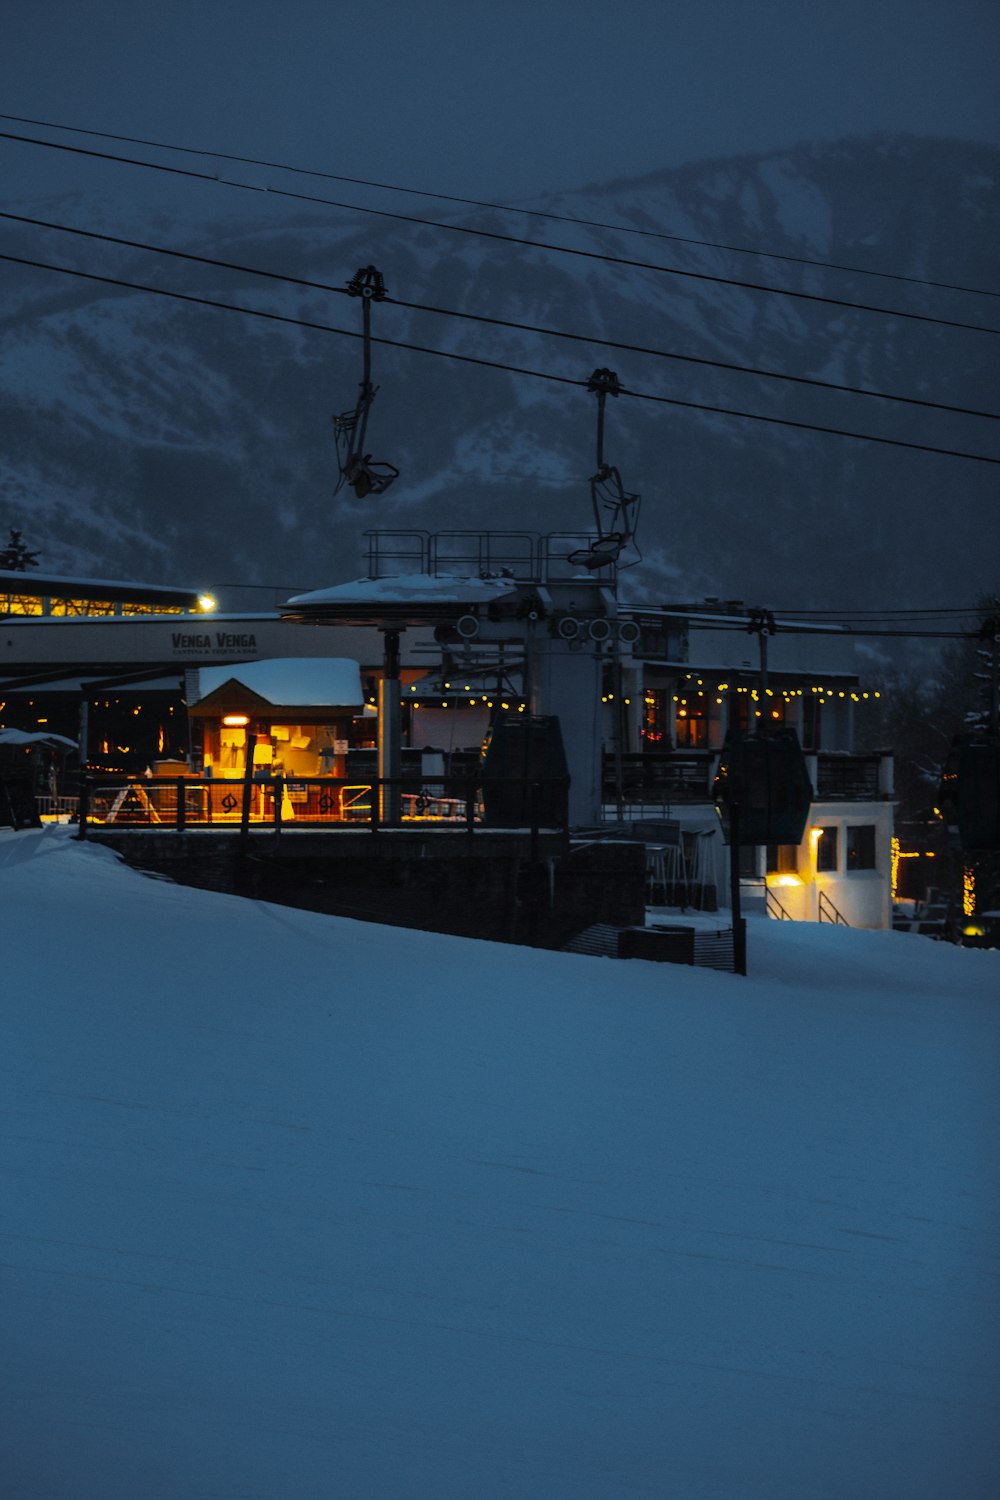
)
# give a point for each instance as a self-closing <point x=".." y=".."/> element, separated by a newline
<point x="390" y="760"/>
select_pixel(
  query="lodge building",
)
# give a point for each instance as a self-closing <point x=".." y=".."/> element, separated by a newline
<point x="151" y="681"/>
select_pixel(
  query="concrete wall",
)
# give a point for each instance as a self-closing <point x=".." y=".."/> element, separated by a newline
<point x="487" y="885"/>
<point x="863" y="897"/>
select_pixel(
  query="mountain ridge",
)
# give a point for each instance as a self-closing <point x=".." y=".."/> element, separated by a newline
<point x="139" y="433"/>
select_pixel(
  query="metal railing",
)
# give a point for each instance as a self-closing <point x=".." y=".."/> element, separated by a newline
<point x="660" y="776"/>
<point x="328" y="802"/>
<point x="775" y="908"/>
<point x="524" y="556"/>
<point x="829" y="913"/>
<point x="849" y="777"/>
<point x="56" y="807"/>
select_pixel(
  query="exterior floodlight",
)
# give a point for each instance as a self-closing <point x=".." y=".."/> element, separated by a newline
<point x="207" y="603"/>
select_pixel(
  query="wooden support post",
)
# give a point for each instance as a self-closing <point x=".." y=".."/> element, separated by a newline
<point x="247" y="786"/>
<point x="739" y="921"/>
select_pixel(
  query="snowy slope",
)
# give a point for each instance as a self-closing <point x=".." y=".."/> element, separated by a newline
<point x="298" y="1207"/>
<point x="139" y="432"/>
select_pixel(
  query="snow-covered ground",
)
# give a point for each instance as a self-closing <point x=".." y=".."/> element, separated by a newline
<point x="298" y="1208"/>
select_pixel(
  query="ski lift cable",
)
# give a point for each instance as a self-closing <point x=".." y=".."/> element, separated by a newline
<point x="780" y="625"/>
<point x="495" y="364"/>
<point x="506" y="208"/>
<point x="512" y="239"/>
<point x="716" y="364"/>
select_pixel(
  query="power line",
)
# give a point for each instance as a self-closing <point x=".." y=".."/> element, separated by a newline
<point x="510" y="239"/>
<point x="972" y="610"/>
<point x="499" y="364"/>
<point x="506" y="208"/>
<point x="322" y="286"/>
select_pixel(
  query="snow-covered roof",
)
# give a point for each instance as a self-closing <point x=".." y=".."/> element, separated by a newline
<point x="16" y="581"/>
<point x="410" y="588"/>
<point x="23" y="737"/>
<point x="324" y="682"/>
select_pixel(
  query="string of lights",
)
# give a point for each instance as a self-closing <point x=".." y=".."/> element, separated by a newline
<point x="494" y="364"/>
<point x="717" y="364"/>
<point x="505" y="208"/>
<point x="511" y="239"/>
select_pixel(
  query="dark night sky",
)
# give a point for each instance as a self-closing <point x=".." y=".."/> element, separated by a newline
<point x="498" y="100"/>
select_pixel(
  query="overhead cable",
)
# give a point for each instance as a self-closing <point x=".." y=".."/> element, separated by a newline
<point x="321" y="286"/>
<point x="506" y="208"/>
<point x="494" y="364"/>
<point x="510" y="239"/>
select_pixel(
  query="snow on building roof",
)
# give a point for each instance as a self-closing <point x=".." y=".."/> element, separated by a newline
<point x="16" y="581"/>
<point x="411" y="588"/>
<point x="325" y="682"/>
<point x="23" y="737"/>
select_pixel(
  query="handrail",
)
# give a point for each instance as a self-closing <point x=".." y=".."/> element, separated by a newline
<point x="775" y="908"/>
<point x="829" y="913"/>
<point x="180" y="802"/>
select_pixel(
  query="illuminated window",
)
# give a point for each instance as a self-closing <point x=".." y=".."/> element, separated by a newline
<point x="691" y="725"/>
<point x="20" y="604"/>
<point x="861" y="847"/>
<point x="826" y="849"/>
<point x="655" y="722"/>
<point x="82" y="607"/>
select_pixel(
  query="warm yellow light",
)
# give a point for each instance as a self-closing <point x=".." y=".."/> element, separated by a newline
<point x="968" y="893"/>
<point x="784" y="880"/>
<point x="206" y="603"/>
<point x="235" y="721"/>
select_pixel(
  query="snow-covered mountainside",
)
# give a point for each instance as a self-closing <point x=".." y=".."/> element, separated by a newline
<point x="164" y="439"/>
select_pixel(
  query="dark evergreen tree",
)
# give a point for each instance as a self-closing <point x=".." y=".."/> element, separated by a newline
<point x="16" y="557"/>
<point x="920" y="713"/>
